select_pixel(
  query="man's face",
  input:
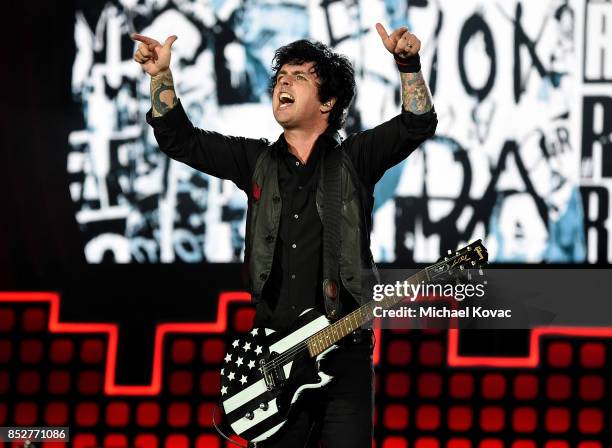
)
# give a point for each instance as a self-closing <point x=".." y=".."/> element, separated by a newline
<point x="295" y="100"/>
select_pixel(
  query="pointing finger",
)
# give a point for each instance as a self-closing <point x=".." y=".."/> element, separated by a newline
<point x="144" y="39"/>
<point x="382" y="32"/>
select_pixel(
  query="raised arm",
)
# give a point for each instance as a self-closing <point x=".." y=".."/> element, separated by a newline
<point x="405" y="47"/>
<point x="219" y="155"/>
<point x="376" y="150"/>
<point x="155" y="60"/>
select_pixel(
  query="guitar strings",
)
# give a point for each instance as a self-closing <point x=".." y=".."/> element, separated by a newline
<point x="300" y="346"/>
<point x="293" y="350"/>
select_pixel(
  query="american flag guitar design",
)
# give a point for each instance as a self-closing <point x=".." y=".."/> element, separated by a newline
<point x="265" y="372"/>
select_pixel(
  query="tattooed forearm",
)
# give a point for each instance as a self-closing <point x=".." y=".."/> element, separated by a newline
<point x="415" y="93"/>
<point x="163" y="97"/>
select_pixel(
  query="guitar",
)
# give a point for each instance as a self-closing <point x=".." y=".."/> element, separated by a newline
<point x="265" y="372"/>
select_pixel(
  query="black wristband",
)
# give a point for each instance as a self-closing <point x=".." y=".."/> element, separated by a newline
<point x="411" y="64"/>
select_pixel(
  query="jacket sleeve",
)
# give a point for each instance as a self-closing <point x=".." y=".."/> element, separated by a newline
<point x="376" y="150"/>
<point x="216" y="154"/>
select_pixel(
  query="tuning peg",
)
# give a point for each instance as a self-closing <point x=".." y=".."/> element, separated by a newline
<point x="461" y="268"/>
<point x="480" y="271"/>
<point x="473" y="263"/>
<point x="450" y="252"/>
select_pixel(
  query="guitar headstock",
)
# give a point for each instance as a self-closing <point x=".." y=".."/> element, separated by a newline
<point x="473" y="256"/>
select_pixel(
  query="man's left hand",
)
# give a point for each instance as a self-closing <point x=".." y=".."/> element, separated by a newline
<point x="401" y="42"/>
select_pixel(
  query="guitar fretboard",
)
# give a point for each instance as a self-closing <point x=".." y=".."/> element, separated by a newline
<point x="327" y="337"/>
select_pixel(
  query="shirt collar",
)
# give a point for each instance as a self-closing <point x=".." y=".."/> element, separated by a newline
<point x="329" y="138"/>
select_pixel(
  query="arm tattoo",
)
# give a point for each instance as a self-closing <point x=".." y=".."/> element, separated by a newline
<point x="415" y="93"/>
<point x="163" y="96"/>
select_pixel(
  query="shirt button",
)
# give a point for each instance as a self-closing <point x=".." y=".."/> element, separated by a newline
<point x="294" y="245"/>
<point x="296" y="216"/>
<point x="292" y="307"/>
<point x="297" y="163"/>
<point x="300" y="187"/>
<point x="292" y="276"/>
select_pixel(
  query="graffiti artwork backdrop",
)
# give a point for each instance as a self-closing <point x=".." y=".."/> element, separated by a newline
<point x="522" y="157"/>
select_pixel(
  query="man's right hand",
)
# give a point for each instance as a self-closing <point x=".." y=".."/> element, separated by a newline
<point x="152" y="55"/>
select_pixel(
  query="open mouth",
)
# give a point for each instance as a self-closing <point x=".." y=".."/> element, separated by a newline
<point x="286" y="100"/>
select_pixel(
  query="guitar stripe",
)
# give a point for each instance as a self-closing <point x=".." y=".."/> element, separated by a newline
<point x="299" y="335"/>
<point x="244" y="396"/>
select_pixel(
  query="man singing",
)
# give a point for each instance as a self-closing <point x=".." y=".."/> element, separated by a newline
<point x="292" y="261"/>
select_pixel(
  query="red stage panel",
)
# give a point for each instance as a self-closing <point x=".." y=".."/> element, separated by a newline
<point x="426" y="397"/>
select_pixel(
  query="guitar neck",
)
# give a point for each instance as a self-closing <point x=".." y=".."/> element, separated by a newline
<point x="327" y="337"/>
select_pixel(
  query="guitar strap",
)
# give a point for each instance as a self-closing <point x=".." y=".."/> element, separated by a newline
<point x="331" y="230"/>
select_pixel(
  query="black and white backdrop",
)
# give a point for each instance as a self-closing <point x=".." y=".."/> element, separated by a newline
<point x="522" y="157"/>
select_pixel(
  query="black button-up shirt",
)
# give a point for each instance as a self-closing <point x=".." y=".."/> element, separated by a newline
<point x="295" y="281"/>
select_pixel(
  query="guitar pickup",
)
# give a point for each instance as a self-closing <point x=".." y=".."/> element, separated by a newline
<point x="274" y="374"/>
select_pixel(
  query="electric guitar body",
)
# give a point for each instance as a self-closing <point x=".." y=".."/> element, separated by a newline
<point x="264" y="373"/>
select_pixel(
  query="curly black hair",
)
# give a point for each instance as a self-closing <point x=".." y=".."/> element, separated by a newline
<point x="335" y="72"/>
